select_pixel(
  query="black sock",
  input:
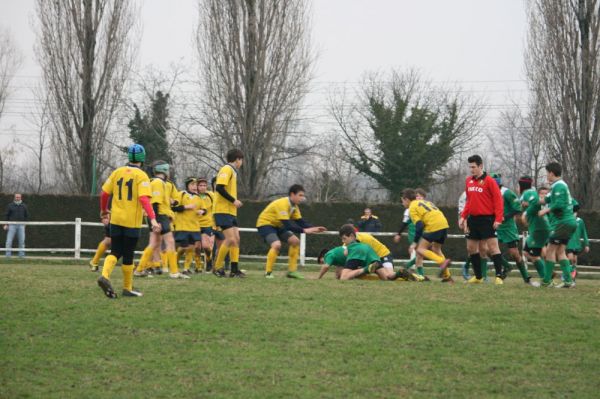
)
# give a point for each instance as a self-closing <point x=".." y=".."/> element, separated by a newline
<point x="476" y="264"/>
<point x="497" y="259"/>
<point x="234" y="267"/>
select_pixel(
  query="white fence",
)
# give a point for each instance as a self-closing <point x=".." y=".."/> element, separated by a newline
<point x="77" y="250"/>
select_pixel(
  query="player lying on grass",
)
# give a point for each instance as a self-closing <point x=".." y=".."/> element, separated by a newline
<point x="431" y="231"/>
<point x="278" y="222"/>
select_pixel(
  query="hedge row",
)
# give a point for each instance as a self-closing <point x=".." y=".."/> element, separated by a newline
<point x="330" y="215"/>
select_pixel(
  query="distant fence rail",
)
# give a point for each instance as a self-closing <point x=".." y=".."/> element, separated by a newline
<point x="79" y="224"/>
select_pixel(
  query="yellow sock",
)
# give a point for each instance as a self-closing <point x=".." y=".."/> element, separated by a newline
<point x="99" y="252"/>
<point x="164" y="261"/>
<point x="271" y="258"/>
<point x="145" y="259"/>
<point x="173" y="266"/>
<point x="127" y="277"/>
<point x="189" y="256"/>
<point x="234" y="254"/>
<point x="293" y="254"/>
<point x="220" y="262"/>
<point x="208" y="255"/>
<point x="156" y="264"/>
<point x="109" y="265"/>
<point x="434" y="257"/>
<point x="198" y="260"/>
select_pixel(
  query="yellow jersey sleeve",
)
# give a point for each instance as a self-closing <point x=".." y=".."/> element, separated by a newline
<point x="275" y="213"/>
<point x="227" y="177"/>
<point x="380" y="249"/>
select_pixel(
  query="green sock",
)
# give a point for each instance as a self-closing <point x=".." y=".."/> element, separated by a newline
<point x="548" y="269"/>
<point x="565" y="266"/>
<point x="411" y="262"/>
<point x="366" y="269"/>
<point x="484" y="268"/>
<point x="523" y="269"/>
<point x="539" y="266"/>
<point x="421" y="270"/>
<point x="507" y="266"/>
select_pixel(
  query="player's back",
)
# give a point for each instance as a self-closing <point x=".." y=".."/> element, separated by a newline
<point x="278" y="210"/>
<point x="127" y="184"/>
<point x="380" y="249"/>
<point x="433" y="219"/>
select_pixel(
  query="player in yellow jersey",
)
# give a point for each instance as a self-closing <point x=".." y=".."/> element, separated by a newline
<point x="225" y="214"/>
<point x="161" y="204"/>
<point x="278" y="222"/>
<point x="130" y="189"/>
<point x="187" y="225"/>
<point x="431" y="231"/>
<point x="103" y="245"/>
<point x="206" y="220"/>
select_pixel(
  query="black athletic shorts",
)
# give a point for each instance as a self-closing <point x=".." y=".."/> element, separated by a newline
<point x="573" y="251"/>
<point x="481" y="227"/>
<point x="165" y="224"/>
<point x="537" y="252"/>
<point x="185" y="238"/>
<point x="512" y="244"/>
<point x="219" y="235"/>
<point x="225" y="221"/>
<point x="354" y="264"/>
<point x="207" y="231"/>
<point x="438" y="236"/>
<point x="107" y="231"/>
<point x="120" y="231"/>
<point x="271" y="234"/>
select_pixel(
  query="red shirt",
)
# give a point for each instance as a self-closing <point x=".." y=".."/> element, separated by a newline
<point x="483" y="198"/>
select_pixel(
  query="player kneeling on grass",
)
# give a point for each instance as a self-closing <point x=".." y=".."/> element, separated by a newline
<point x="431" y="231"/>
<point x="278" y="222"/>
<point x="130" y="188"/>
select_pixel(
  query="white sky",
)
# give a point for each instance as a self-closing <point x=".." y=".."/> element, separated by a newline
<point x="477" y="43"/>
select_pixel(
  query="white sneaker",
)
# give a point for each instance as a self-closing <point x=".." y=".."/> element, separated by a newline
<point x="535" y="284"/>
<point x="132" y="293"/>
<point x="179" y="275"/>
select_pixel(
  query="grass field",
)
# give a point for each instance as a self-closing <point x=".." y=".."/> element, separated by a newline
<point x="257" y="338"/>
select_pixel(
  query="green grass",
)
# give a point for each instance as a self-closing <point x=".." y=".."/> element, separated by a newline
<point x="257" y="338"/>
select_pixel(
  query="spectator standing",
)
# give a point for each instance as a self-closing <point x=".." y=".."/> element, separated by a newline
<point x="369" y="223"/>
<point x="16" y="211"/>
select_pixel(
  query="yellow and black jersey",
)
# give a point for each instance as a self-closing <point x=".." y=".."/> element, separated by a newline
<point x="227" y="177"/>
<point x="207" y="201"/>
<point x="380" y="249"/>
<point x="126" y="185"/>
<point x="160" y="197"/>
<point x="277" y="211"/>
<point x="188" y="220"/>
<point x="424" y="211"/>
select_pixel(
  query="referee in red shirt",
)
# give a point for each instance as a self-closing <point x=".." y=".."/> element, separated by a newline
<point x="483" y="213"/>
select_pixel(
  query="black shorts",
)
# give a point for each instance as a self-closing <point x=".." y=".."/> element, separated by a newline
<point x="219" y="235"/>
<point x="537" y="252"/>
<point x="225" y="221"/>
<point x="107" y="231"/>
<point x="165" y="224"/>
<point x="185" y="238"/>
<point x="481" y="227"/>
<point x="271" y="234"/>
<point x="573" y="251"/>
<point x="354" y="264"/>
<point x="207" y="231"/>
<point x="436" y="236"/>
<point x="512" y="244"/>
<point x="120" y="231"/>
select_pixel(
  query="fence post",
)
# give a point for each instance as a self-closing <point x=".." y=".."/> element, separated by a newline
<point x="302" y="249"/>
<point x="77" y="238"/>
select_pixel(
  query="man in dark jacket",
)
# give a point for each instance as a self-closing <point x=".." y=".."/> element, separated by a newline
<point x="368" y="222"/>
<point x="16" y="211"/>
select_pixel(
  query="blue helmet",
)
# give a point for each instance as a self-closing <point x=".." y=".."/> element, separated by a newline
<point x="136" y="153"/>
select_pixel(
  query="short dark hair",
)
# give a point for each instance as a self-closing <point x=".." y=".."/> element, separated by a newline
<point x="409" y="194"/>
<point x="347" y="230"/>
<point x="475" y="158"/>
<point x="555" y="168"/>
<point x="234" y="154"/>
<point x="543" y="188"/>
<point x="421" y="192"/>
<point x="295" y="189"/>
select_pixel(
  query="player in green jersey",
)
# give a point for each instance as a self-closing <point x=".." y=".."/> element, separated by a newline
<point x="562" y="225"/>
<point x="538" y="228"/>
<point x="574" y="246"/>
<point x="508" y="234"/>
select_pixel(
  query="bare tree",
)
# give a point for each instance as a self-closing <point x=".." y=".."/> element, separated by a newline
<point x="563" y="68"/>
<point x="518" y="145"/>
<point x="10" y="60"/>
<point x="85" y="48"/>
<point x="255" y="60"/>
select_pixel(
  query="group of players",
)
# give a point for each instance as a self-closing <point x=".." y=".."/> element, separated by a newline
<point x="187" y="223"/>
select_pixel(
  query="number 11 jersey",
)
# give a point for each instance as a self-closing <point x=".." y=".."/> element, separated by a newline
<point x="127" y="184"/>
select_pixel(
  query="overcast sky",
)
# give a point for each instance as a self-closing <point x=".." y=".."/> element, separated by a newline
<point x="477" y="43"/>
